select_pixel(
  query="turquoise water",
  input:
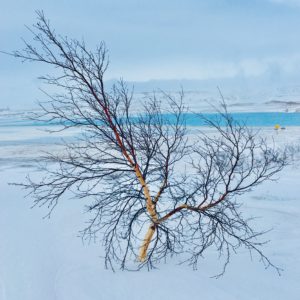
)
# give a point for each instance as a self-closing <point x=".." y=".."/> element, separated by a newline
<point x="251" y="119"/>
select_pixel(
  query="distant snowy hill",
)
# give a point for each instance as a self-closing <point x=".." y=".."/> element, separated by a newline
<point x="202" y="95"/>
<point x="241" y="95"/>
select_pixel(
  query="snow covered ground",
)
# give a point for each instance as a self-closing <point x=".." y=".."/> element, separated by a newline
<point x="45" y="258"/>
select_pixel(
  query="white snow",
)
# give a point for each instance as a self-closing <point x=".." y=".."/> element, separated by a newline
<point x="43" y="259"/>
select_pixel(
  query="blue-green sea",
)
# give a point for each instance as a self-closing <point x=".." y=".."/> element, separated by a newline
<point x="260" y="119"/>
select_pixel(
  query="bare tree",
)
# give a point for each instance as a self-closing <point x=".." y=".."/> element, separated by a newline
<point x="153" y="190"/>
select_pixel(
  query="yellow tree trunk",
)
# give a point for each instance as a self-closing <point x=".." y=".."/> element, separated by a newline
<point x="146" y="242"/>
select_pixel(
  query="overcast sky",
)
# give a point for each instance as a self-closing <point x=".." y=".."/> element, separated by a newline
<point x="188" y="39"/>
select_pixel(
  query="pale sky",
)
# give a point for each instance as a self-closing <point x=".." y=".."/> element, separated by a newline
<point x="188" y="39"/>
